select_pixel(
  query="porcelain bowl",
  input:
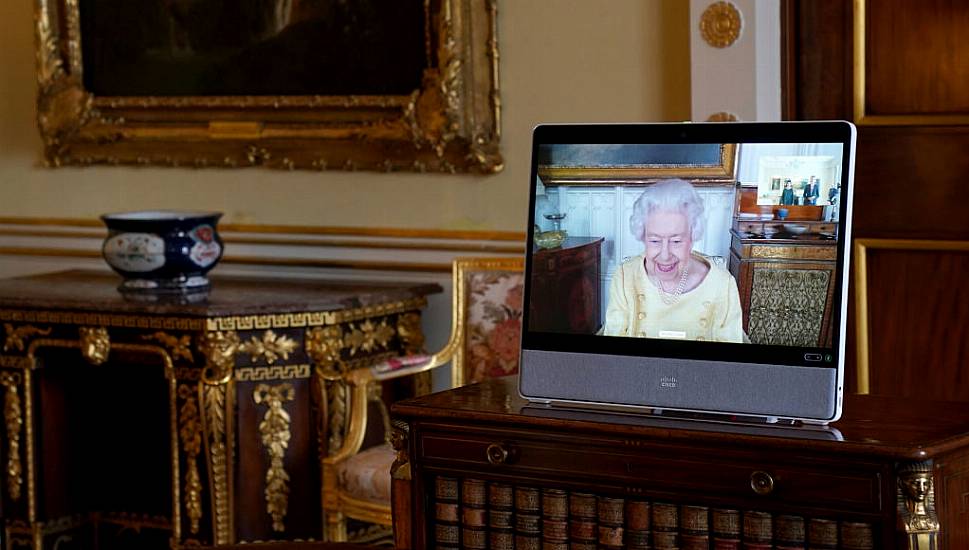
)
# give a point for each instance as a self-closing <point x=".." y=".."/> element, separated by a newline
<point x="162" y="250"/>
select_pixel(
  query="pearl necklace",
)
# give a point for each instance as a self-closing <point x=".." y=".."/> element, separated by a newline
<point x="670" y="298"/>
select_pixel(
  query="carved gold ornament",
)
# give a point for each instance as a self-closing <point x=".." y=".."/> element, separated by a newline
<point x="368" y="336"/>
<point x="720" y="24"/>
<point x="275" y="438"/>
<point x="177" y="346"/>
<point x="323" y="345"/>
<point x="16" y="337"/>
<point x="410" y="333"/>
<point x="14" y="421"/>
<point x="916" y="499"/>
<point x="270" y="347"/>
<point x="95" y="344"/>
<point x="190" y="433"/>
<point x="219" y="349"/>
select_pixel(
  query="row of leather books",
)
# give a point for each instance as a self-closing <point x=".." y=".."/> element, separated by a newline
<point x="474" y="514"/>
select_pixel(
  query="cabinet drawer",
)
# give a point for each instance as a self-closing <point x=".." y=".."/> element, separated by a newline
<point x="661" y="469"/>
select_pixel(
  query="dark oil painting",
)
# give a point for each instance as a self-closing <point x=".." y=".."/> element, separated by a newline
<point x="252" y="47"/>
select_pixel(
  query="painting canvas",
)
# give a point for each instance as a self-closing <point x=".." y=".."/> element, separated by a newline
<point x="291" y="84"/>
<point x="252" y="47"/>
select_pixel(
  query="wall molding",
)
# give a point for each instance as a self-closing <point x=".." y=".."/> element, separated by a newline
<point x="312" y="247"/>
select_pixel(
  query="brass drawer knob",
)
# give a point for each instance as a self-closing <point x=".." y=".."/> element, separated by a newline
<point x="761" y="482"/>
<point x="498" y="453"/>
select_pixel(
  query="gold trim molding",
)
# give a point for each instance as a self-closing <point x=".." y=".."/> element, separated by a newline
<point x="722" y="173"/>
<point x="450" y="123"/>
<point x="794" y="252"/>
<point x="861" y="116"/>
<point x="13" y="419"/>
<point x="276" y="372"/>
<point x="246" y="322"/>
<point x="721" y="24"/>
<point x="861" y="247"/>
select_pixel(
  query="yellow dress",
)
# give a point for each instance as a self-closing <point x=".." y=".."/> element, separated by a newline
<point x="709" y="312"/>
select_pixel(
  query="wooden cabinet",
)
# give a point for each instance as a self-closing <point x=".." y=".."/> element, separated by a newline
<point x="849" y="485"/>
<point x="787" y="284"/>
<point x="566" y="294"/>
<point x="174" y="421"/>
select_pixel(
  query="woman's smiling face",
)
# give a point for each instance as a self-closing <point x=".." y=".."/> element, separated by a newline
<point x="668" y="244"/>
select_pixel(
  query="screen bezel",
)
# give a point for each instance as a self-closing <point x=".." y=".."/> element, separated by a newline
<point x="691" y="133"/>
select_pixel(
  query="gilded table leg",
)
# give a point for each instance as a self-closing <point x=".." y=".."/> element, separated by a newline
<point x="215" y="393"/>
<point x="918" y="524"/>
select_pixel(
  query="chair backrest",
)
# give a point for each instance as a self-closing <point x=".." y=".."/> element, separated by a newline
<point x="487" y="318"/>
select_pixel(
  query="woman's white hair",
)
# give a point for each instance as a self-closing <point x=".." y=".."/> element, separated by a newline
<point x="672" y="195"/>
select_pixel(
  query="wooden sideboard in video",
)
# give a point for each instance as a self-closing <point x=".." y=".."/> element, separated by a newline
<point x="478" y="467"/>
<point x="566" y="294"/>
<point x="192" y="420"/>
<point x="787" y="284"/>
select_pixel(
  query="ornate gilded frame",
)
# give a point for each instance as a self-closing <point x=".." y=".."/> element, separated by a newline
<point x="450" y="124"/>
<point x="721" y="173"/>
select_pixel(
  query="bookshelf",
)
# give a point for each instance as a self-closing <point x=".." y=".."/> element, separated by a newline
<point x="478" y="467"/>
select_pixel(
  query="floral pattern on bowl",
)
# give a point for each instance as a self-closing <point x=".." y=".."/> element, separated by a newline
<point x="162" y="250"/>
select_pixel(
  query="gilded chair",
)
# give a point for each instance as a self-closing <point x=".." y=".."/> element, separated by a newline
<point x="484" y="343"/>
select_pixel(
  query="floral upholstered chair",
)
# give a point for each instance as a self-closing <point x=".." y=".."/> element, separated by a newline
<point x="484" y="343"/>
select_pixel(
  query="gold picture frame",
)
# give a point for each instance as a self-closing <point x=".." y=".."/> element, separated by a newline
<point x="717" y="167"/>
<point x="449" y="123"/>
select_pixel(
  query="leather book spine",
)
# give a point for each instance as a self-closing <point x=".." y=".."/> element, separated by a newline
<point x="758" y="530"/>
<point x="555" y="519"/>
<point x="725" y="528"/>
<point x="474" y="514"/>
<point x="822" y="534"/>
<point x="528" y="519"/>
<point x="611" y="515"/>
<point x="501" y="516"/>
<point x="638" y="525"/>
<point x="447" y="528"/>
<point x="694" y="527"/>
<point x="789" y="533"/>
<point x="666" y="526"/>
<point x="583" y="529"/>
<point x="856" y="536"/>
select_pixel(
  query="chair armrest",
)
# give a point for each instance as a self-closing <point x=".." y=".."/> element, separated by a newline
<point x="358" y="380"/>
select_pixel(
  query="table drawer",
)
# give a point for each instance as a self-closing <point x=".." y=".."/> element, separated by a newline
<point x="661" y="469"/>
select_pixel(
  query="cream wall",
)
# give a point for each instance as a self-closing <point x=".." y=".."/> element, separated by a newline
<point x="561" y="60"/>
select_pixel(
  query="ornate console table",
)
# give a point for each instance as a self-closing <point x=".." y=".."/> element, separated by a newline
<point x="159" y="424"/>
<point x="478" y="467"/>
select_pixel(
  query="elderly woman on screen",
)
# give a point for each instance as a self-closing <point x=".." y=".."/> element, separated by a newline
<point x="669" y="291"/>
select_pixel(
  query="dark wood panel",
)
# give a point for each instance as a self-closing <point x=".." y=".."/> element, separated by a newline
<point x="910" y="181"/>
<point x="917" y="342"/>
<point x="916" y="57"/>
<point x="818" y="86"/>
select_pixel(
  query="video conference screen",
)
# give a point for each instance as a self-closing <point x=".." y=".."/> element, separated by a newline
<point x="728" y="243"/>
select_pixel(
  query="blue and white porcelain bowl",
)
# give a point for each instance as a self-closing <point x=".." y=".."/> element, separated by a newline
<point x="162" y="250"/>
